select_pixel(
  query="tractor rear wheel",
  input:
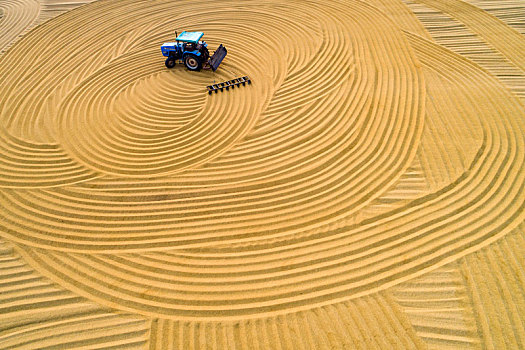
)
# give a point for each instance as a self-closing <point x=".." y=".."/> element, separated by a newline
<point x="192" y="62"/>
<point x="170" y="62"/>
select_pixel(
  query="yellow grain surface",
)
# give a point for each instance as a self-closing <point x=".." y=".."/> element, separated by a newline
<point x="365" y="192"/>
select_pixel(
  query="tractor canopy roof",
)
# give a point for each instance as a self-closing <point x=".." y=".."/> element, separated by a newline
<point x="190" y="37"/>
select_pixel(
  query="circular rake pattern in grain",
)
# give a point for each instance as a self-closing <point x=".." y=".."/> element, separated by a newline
<point x="166" y="202"/>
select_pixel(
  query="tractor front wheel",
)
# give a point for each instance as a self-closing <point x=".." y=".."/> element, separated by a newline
<point x="193" y="62"/>
<point x="170" y="62"/>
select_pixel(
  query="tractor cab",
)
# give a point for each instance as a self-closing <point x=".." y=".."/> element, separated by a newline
<point x="190" y="37"/>
<point x="192" y="52"/>
<point x="190" y="40"/>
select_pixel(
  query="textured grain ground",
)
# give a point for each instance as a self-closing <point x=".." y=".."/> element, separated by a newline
<point x="366" y="191"/>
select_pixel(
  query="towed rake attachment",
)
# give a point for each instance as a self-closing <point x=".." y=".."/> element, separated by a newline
<point x="228" y="84"/>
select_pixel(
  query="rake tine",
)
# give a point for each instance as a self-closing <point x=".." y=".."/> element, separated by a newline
<point x="227" y="84"/>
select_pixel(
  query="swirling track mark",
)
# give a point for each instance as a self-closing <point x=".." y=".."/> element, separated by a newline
<point x="347" y="325"/>
<point x="16" y="16"/>
<point x="512" y="12"/>
<point x="317" y="280"/>
<point x="494" y="278"/>
<point x="36" y="313"/>
<point x="34" y="165"/>
<point x="505" y="39"/>
<point x="455" y="35"/>
<point x="439" y="309"/>
<point x="310" y="190"/>
<point x="244" y="237"/>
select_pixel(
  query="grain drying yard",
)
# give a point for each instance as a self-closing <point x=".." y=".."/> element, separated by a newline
<point x="365" y="191"/>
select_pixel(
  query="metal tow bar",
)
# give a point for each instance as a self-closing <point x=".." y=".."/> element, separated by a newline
<point x="228" y="84"/>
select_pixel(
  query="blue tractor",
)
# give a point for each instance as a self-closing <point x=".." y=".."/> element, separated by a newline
<point x="194" y="53"/>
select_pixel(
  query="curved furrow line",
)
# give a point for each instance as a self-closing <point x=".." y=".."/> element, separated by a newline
<point x="301" y="122"/>
<point x="346" y="325"/>
<point x="512" y="12"/>
<point x="162" y="154"/>
<point x="246" y="282"/>
<point x="500" y="113"/>
<point x="456" y="151"/>
<point x="157" y="108"/>
<point x="159" y="209"/>
<point x="437" y="306"/>
<point x="17" y="16"/>
<point x="156" y="120"/>
<point x="389" y="264"/>
<point x="299" y="38"/>
<point x="34" y="80"/>
<point x="302" y="128"/>
<point x="69" y="58"/>
<point x="493" y="277"/>
<point x="169" y="143"/>
<point x="284" y="150"/>
<point x="270" y="208"/>
<point x="249" y="203"/>
<point x="402" y="15"/>
<point x="453" y="34"/>
<point x="306" y="82"/>
<point x="38" y="313"/>
<point x="413" y="184"/>
<point x="207" y="174"/>
<point x="32" y="165"/>
<point x="518" y="173"/>
<point x="334" y="62"/>
<point x="300" y="89"/>
<point x="505" y="39"/>
<point x="16" y="175"/>
<point x="291" y="35"/>
<point x="152" y="297"/>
